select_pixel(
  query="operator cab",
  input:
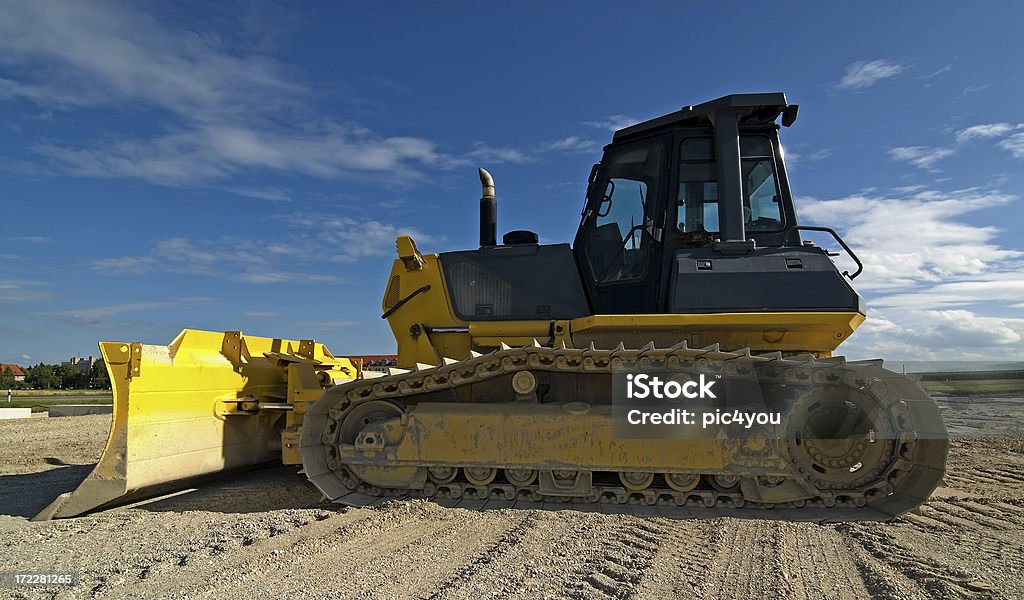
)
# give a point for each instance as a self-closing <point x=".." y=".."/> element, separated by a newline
<point x="692" y="212"/>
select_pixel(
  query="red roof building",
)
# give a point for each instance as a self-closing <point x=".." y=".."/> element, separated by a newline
<point x="19" y="375"/>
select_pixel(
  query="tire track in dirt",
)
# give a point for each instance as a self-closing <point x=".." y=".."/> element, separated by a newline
<point x="817" y="562"/>
<point x="975" y="515"/>
<point x="364" y="560"/>
<point x="223" y="557"/>
<point x="748" y="563"/>
<point x="138" y="550"/>
<point x="1014" y="508"/>
<point x="949" y="519"/>
<point x="963" y="530"/>
<point x="425" y="566"/>
<point x="992" y="510"/>
<point x="999" y="476"/>
<point x="927" y="577"/>
<point x="359" y="535"/>
<point x="483" y="559"/>
<point x="982" y="540"/>
<point x="546" y="560"/>
<point x="996" y="556"/>
<point x="924" y="523"/>
<point x="682" y="562"/>
<point x="1011" y="472"/>
<point x="616" y="568"/>
<point x="984" y="478"/>
<point x="881" y="581"/>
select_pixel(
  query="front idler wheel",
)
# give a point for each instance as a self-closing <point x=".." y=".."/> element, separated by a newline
<point x="839" y="439"/>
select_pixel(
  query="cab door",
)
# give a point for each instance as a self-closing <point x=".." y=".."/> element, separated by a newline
<point x="618" y="244"/>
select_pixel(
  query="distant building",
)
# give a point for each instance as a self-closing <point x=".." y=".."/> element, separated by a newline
<point x="19" y="375"/>
<point x="84" y="364"/>
<point x="377" y="362"/>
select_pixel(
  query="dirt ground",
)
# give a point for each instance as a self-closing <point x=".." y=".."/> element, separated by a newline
<point x="266" y="534"/>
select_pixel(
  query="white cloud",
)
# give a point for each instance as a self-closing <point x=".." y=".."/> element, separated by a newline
<point x="487" y="154"/>
<point x="346" y="239"/>
<point x="795" y="158"/>
<point x="613" y="122"/>
<point x="321" y="325"/>
<point x="987" y="130"/>
<point x="922" y="238"/>
<point x="920" y="156"/>
<point x="206" y="153"/>
<point x="1014" y="145"/>
<point x="124" y="265"/>
<point x="906" y="189"/>
<point x="482" y="152"/>
<point x="937" y="335"/>
<point x="937" y="72"/>
<point x="318" y="241"/>
<point x="116" y="309"/>
<point x="210" y="259"/>
<point x="864" y="74"/>
<point x="100" y="315"/>
<point x="990" y="287"/>
<point x="973" y="89"/>
<point x="115" y="316"/>
<point x="22" y="290"/>
<point x="106" y="54"/>
<point x="933" y="281"/>
<point x="274" y="194"/>
<point x="572" y="143"/>
<point x="34" y="239"/>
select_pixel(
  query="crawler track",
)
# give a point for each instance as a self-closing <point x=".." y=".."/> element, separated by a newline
<point x="888" y="463"/>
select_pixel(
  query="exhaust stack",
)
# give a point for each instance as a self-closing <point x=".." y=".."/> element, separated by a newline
<point x="488" y="211"/>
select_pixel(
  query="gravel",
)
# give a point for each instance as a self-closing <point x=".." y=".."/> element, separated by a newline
<point x="266" y="532"/>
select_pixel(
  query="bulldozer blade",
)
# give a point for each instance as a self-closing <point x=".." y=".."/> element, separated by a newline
<point x="183" y="411"/>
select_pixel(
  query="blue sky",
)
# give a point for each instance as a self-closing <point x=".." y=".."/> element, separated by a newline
<point x="247" y="166"/>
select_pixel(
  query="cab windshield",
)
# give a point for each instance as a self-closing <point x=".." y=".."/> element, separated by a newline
<point x="697" y="200"/>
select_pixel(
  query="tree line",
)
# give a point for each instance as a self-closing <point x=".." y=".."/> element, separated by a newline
<point x="972" y="375"/>
<point x="53" y="377"/>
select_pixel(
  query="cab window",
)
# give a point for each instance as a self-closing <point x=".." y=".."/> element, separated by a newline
<point x="697" y="200"/>
<point x="617" y="245"/>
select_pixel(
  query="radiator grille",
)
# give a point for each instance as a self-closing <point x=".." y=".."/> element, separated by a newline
<point x="393" y="292"/>
<point x="479" y="293"/>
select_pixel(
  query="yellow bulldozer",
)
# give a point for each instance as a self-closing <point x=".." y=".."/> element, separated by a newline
<point x="511" y="360"/>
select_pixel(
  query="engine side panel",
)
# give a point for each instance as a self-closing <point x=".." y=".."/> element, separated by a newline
<point x="507" y="283"/>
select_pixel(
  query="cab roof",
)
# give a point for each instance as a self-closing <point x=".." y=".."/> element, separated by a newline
<point x="753" y="109"/>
